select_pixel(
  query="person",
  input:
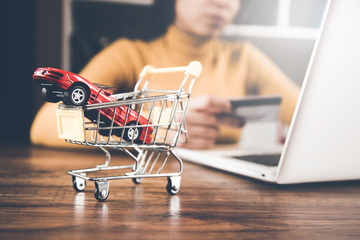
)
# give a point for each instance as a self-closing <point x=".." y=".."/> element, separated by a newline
<point x="230" y="69"/>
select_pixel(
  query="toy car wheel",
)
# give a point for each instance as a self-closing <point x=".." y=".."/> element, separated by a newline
<point x="48" y="96"/>
<point x="77" y="95"/>
<point x="132" y="133"/>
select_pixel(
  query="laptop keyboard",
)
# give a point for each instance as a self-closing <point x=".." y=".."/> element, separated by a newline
<point x="271" y="160"/>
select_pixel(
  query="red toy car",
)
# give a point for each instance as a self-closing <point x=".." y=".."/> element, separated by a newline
<point x="59" y="85"/>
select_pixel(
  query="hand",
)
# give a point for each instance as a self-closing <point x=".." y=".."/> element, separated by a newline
<point x="201" y="120"/>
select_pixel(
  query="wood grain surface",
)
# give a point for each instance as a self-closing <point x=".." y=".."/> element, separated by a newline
<point x="37" y="201"/>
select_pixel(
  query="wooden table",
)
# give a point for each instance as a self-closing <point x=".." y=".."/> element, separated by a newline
<point x="37" y="201"/>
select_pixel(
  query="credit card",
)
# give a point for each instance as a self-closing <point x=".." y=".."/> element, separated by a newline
<point x="254" y="108"/>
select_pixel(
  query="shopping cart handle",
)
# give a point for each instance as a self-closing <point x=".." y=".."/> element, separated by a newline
<point x="194" y="69"/>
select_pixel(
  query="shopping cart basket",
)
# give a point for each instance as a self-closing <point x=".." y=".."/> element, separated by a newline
<point x="146" y="124"/>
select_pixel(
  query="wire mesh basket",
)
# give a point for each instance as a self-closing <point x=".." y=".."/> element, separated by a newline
<point x="146" y="124"/>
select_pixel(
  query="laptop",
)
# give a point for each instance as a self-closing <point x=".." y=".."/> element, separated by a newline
<point x="323" y="141"/>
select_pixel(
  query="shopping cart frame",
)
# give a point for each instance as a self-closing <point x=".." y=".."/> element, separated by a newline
<point x="149" y="158"/>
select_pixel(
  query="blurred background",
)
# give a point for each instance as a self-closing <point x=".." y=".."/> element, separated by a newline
<point x="67" y="33"/>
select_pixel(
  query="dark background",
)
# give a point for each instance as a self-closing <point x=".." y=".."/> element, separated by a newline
<point x="18" y="54"/>
<point x="32" y="35"/>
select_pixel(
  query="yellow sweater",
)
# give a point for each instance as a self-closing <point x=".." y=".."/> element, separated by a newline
<point x="229" y="69"/>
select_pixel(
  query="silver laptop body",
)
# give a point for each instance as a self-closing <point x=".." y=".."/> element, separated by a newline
<point x="323" y="142"/>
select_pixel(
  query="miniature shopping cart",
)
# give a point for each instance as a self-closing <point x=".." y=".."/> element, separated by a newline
<point x="145" y="124"/>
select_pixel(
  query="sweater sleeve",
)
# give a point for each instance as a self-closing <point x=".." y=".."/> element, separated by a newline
<point x="264" y="78"/>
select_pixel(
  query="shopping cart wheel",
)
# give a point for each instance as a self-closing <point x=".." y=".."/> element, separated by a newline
<point x="101" y="191"/>
<point x="173" y="185"/>
<point x="79" y="184"/>
<point x="137" y="180"/>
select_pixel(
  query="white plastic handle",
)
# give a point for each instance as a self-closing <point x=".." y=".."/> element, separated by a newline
<point x="194" y="69"/>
